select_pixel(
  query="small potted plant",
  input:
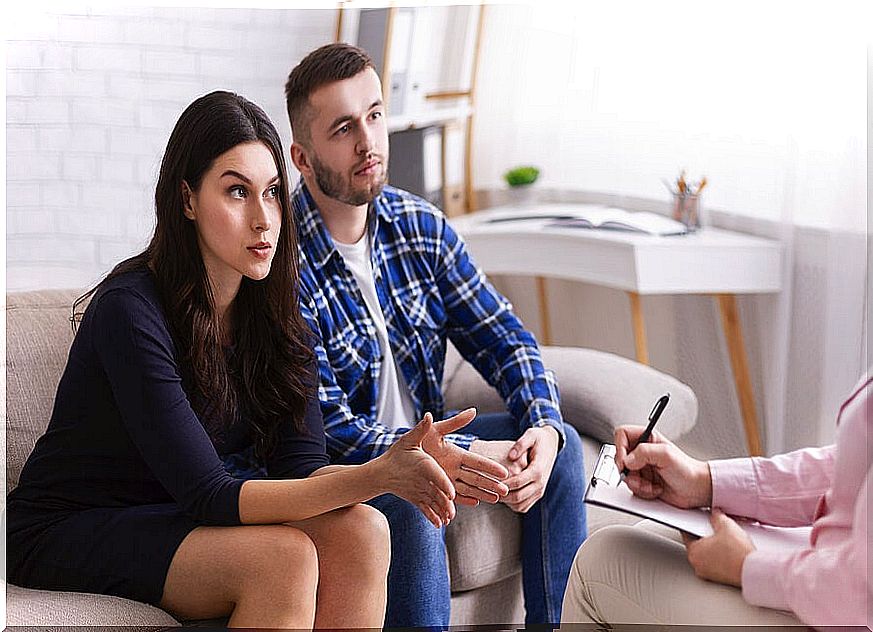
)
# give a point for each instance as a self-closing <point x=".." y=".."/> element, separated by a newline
<point x="520" y="181"/>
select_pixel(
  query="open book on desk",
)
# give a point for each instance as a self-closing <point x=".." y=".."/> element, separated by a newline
<point x="619" y="219"/>
<point x="607" y="489"/>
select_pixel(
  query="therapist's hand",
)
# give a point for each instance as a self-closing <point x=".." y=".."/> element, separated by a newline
<point x="720" y="556"/>
<point x="659" y="469"/>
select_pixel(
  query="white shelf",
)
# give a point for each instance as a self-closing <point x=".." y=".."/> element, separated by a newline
<point x="435" y="116"/>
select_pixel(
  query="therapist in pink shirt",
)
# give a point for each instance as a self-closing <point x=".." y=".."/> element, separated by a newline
<point x="644" y="575"/>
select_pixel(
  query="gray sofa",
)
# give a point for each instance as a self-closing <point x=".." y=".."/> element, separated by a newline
<point x="599" y="391"/>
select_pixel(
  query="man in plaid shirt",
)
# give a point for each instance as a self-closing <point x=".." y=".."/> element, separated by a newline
<point x="385" y="282"/>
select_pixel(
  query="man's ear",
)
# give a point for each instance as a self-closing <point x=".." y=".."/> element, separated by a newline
<point x="187" y="206"/>
<point x="300" y="158"/>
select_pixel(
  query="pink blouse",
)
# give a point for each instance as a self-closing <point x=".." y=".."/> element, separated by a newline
<point x="825" y="583"/>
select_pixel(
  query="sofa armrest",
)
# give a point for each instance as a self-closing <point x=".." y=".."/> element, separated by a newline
<point x="599" y="391"/>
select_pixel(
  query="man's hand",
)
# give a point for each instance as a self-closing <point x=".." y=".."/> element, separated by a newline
<point x="475" y="477"/>
<point x="659" y="469"/>
<point x="720" y="556"/>
<point x="499" y="451"/>
<point x="529" y="460"/>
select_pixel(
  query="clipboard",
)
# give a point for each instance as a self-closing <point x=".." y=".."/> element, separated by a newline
<point x="607" y="489"/>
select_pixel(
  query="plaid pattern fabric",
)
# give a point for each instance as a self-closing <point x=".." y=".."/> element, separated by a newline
<point x="430" y="290"/>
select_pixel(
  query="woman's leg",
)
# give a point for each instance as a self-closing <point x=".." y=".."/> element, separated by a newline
<point x="354" y="552"/>
<point x="260" y="576"/>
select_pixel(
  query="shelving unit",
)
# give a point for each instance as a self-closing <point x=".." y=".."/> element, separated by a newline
<point x="427" y="59"/>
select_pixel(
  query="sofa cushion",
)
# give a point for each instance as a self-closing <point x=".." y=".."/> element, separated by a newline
<point x="26" y="607"/>
<point x="38" y="338"/>
<point x="484" y="546"/>
<point x="599" y="391"/>
<point x="498" y="606"/>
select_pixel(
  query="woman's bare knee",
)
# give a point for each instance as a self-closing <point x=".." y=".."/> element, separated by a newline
<point x="283" y="558"/>
<point x="217" y="568"/>
<point x="354" y="551"/>
<point x="372" y="526"/>
<point x="353" y="537"/>
<point x="365" y="530"/>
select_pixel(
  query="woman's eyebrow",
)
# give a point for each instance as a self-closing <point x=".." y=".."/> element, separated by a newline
<point x="237" y="174"/>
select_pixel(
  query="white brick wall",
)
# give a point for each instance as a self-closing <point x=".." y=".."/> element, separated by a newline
<point x="91" y="99"/>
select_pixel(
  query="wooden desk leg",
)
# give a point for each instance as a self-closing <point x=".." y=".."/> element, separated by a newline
<point x="545" y="325"/>
<point x="639" y="325"/>
<point x="733" y="334"/>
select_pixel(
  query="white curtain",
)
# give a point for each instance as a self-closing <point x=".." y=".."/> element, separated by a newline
<point x="769" y="102"/>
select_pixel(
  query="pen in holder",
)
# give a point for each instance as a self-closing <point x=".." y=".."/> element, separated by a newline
<point x="686" y="202"/>
<point x="686" y="209"/>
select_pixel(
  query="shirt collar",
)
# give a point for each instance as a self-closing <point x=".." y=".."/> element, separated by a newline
<point x="314" y="236"/>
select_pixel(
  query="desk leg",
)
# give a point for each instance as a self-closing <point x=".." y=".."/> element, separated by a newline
<point x="733" y="334"/>
<point x="545" y="325"/>
<point x="640" y="343"/>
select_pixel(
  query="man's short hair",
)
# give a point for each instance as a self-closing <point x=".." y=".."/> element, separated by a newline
<point x="329" y="63"/>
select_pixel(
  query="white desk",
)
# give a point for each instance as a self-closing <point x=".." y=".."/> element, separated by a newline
<point x="711" y="261"/>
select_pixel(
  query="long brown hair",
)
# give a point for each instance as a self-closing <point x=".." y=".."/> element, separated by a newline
<point x="269" y="376"/>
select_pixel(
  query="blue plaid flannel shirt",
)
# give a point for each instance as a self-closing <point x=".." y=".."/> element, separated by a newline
<point x="430" y="290"/>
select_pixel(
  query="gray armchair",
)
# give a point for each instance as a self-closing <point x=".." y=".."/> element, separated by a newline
<point x="599" y="391"/>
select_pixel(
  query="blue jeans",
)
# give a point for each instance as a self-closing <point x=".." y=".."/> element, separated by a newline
<point x="552" y="531"/>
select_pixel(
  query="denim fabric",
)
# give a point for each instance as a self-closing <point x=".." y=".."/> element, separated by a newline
<point x="418" y="579"/>
<point x="552" y="531"/>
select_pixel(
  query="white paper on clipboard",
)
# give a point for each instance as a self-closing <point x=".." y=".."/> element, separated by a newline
<point x="607" y="489"/>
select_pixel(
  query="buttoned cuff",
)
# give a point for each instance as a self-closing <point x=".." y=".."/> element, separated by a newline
<point x="734" y="486"/>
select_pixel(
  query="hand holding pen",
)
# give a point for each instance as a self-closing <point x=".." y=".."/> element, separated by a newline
<point x="657" y="468"/>
<point x="654" y="416"/>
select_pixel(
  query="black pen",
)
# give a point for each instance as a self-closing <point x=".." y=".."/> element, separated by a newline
<point x="660" y="405"/>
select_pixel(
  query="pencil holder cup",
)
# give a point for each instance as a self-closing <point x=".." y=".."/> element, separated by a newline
<point x="686" y="209"/>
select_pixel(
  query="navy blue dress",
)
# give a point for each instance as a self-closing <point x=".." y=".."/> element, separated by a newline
<point x="126" y="469"/>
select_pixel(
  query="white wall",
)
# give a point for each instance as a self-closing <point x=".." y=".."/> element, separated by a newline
<point x="616" y="96"/>
<point x="768" y="101"/>
<point x="91" y="99"/>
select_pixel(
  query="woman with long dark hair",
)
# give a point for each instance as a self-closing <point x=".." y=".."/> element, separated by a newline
<point x="188" y="354"/>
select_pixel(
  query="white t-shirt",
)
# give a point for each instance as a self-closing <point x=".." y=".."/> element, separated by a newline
<point x="394" y="408"/>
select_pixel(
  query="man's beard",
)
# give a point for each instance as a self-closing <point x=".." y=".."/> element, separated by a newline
<point x="334" y="185"/>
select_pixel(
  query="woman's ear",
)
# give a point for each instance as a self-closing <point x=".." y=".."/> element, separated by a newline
<point x="187" y="206"/>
